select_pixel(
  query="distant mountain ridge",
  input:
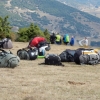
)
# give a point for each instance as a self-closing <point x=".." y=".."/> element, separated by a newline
<point x="89" y="6"/>
<point x="52" y="15"/>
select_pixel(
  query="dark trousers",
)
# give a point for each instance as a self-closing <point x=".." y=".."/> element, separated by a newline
<point x="66" y="43"/>
<point x="58" y="42"/>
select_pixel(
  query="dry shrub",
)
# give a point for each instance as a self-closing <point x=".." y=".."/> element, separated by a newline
<point x="13" y="36"/>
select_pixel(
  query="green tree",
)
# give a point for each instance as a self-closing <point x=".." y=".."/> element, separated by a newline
<point x="47" y="35"/>
<point x="33" y="31"/>
<point x="25" y="34"/>
<point x="5" y="28"/>
<point x="22" y="35"/>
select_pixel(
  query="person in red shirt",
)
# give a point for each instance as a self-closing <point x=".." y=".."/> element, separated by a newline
<point x="37" y="42"/>
<point x="40" y="43"/>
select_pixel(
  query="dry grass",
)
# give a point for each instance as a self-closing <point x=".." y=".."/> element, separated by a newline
<point x="30" y="81"/>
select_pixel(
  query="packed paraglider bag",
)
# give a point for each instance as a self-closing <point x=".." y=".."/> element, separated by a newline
<point x="8" y="59"/>
<point x="29" y="54"/>
<point x="6" y="43"/>
<point x="67" y="55"/>
<point x="87" y="56"/>
<point x="52" y="59"/>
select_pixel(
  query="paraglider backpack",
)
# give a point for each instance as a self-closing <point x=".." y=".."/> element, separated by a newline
<point x="67" y="55"/>
<point x="7" y="43"/>
<point x="86" y="56"/>
<point x="8" y="59"/>
<point x="29" y="54"/>
<point x="52" y="59"/>
<point x="1" y="44"/>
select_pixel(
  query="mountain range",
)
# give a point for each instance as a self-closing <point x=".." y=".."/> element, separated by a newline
<point x="52" y="15"/>
<point x="90" y="6"/>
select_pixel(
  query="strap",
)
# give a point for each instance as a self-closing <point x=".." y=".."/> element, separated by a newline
<point x="3" y="50"/>
<point x="87" y="59"/>
<point x="93" y="61"/>
<point x="41" y="64"/>
<point x="9" y="60"/>
<point x="46" y="64"/>
<point x="62" y="65"/>
<point x="69" y="55"/>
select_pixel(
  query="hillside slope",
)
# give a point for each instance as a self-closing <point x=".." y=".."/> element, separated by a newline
<point x="51" y="15"/>
<point x="90" y="6"/>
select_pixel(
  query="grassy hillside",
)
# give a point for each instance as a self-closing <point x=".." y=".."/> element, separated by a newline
<point x="30" y="81"/>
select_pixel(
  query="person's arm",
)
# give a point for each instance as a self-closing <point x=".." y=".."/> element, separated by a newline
<point x="27" y="47"/>
<point x="80" y="42"/>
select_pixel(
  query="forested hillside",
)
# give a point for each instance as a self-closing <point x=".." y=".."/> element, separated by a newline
<point x="51" y="15"/>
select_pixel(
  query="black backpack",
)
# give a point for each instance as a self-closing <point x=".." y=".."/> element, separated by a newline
<point x="6" y="43"/>
<point x="90" y="57"/>
<point x="52" y="59"/>
<point x="67" y="55"/>
<point x="29" y="54"/>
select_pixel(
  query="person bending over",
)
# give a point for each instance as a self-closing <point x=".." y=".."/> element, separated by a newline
<point x="40" y="43"/>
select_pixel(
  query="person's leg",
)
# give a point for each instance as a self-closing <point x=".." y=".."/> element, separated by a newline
<point x="65" y="43"/>
<point x="52" y="42"/>
<point x="41" y="51"/>
<point x="57" y="42"/>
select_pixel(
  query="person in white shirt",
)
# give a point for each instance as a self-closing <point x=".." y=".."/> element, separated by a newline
<point x="84" y="42"/>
